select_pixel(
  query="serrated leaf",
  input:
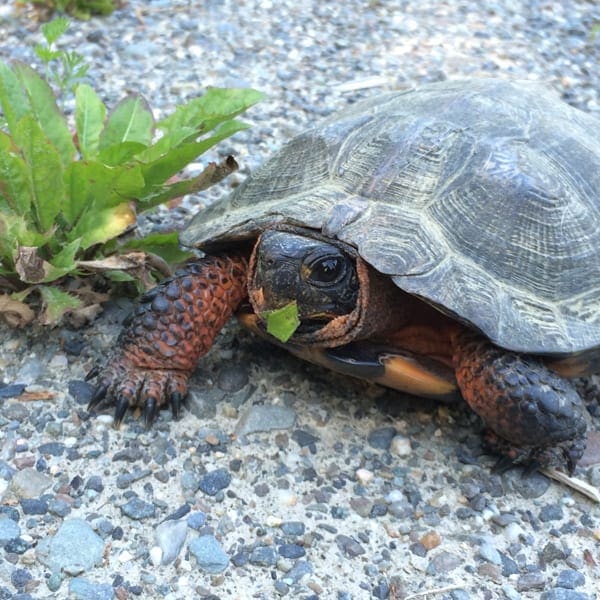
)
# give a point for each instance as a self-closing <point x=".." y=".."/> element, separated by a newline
<point x="13" y="99"/>
<point x="130" y="121"/>
<point x="45" y="168"/>
<point x="162" y="169"/>
<point x="65" y="259"/>
<point x="54" y="29"/>
<point x="215" y="106"/>
<point x="43" y="105"/>
<point x="16" y="231"/>
<point x="15" y="186"/>
<point x="90" y="113"/>
<point x="282" y="322"/>
<point x="56" y="304"/>
<point x="45" y="54"/>
<point x="213" y="173"/>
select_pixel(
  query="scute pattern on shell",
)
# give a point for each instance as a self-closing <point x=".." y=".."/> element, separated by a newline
<point x="481" y="196"/>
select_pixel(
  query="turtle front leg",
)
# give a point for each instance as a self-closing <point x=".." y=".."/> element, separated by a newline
<point x="534" y="415"/>
<point x="173" y="325"/>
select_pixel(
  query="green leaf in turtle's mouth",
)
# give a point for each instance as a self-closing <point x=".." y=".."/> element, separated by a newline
<point x="282" y="322"/>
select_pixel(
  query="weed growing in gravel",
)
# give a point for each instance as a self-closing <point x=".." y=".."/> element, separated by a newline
<point x="71" y="188"/>
<point x="80" y="9"/>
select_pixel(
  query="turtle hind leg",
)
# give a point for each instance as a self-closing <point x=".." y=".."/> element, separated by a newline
<point x="534" y="415"/>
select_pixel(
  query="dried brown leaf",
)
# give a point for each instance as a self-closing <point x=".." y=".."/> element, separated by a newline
<point x="15" y="312"/>
<point x="29" y="265"/>
<point x="138" y="264"/>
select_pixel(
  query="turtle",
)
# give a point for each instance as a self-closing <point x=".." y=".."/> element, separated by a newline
<point x="442" y="240"/>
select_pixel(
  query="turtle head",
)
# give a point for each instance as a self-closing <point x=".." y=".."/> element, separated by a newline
<point x="320" y="277"/>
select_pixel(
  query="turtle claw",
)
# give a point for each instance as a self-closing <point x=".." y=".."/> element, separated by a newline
<point x="175" y="400"/>
<point x="98" y="395"/>
<point x="503" y="464"/>
<point x="93" y="372"/>
<point x="121" y="406"/>
<point x="150" y="412"/>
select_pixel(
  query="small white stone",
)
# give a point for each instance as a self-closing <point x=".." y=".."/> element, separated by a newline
<point x="273" y="521"/>
<point x="287" y="498"/>
<point x="364" y="476"/>
<point x="400" y="446"/>
<point x="125" y="556"/>
<point x="156" y="555"/>
<point x="512" y="531"/>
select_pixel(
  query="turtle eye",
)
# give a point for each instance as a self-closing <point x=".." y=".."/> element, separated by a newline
<point x="326" y="270"/>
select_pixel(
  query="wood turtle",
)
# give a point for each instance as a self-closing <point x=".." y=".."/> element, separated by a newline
<point x="443" y="240"/>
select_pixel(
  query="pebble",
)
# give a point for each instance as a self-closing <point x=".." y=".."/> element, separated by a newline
<point x="298" y="572"/>
<point x="263" y="556"/>
<point x="209" y="554"/>
<point x="9" y="530"/>
<point x="564" y="594"/>
<point x="170" y="537"/>
<point x="75" y="543"/>
<point x="34" y="506"/>
<point x="29" y="483"/>
<point x="351" y="548"/>
<point x="382" y="438"/>
<point x="570" y="579"/>
<point x="293" y="528"/>
<point x="196" y="520"/>
<point x="364" y="476"/>
<point x="531" y="581"/>
<point x="81" y="589"/>
<point x="138" y="509"/>
<point x="490" y="554"/>
<point x="431" y="540"/>
<point x="265" y="418"/>
<point x="400" y="446"/>
<point x="291" y="551"/>
<point x="214" y="481"/>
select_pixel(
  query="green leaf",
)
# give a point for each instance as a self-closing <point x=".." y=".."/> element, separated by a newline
<point x="92" y="187"/>
<point x="56" y="304"/>
<point x="121" y="152"/>
<point x="45" y="54"/>
<point x="43" y="105"/>
<point x="15" y="231"/>
<point x="13" y="98"/>
<point x="206" y="112"/>
<point x="130" y="121"/>
<point x="165" y="245"/>
<point x="45" y="168"/>
<point x="119" y="276"/>
<point x="178" y="158"/>
<point x="90" y="113"/>
<point x="282" y="322"/>
<point x="96" y="227"/>
<point x="64" y="261"/>
<point x="54" y="29"/>
<point x="15" y="186"/>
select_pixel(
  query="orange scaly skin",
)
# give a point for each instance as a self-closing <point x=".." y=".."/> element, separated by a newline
<point x="174" y="324"/>
<point x="533" y="415"/>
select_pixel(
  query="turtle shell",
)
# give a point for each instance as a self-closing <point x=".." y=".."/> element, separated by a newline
<point x="482" y="197"/>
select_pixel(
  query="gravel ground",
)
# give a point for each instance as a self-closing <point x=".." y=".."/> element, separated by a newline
<point x="283" y="480"/>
